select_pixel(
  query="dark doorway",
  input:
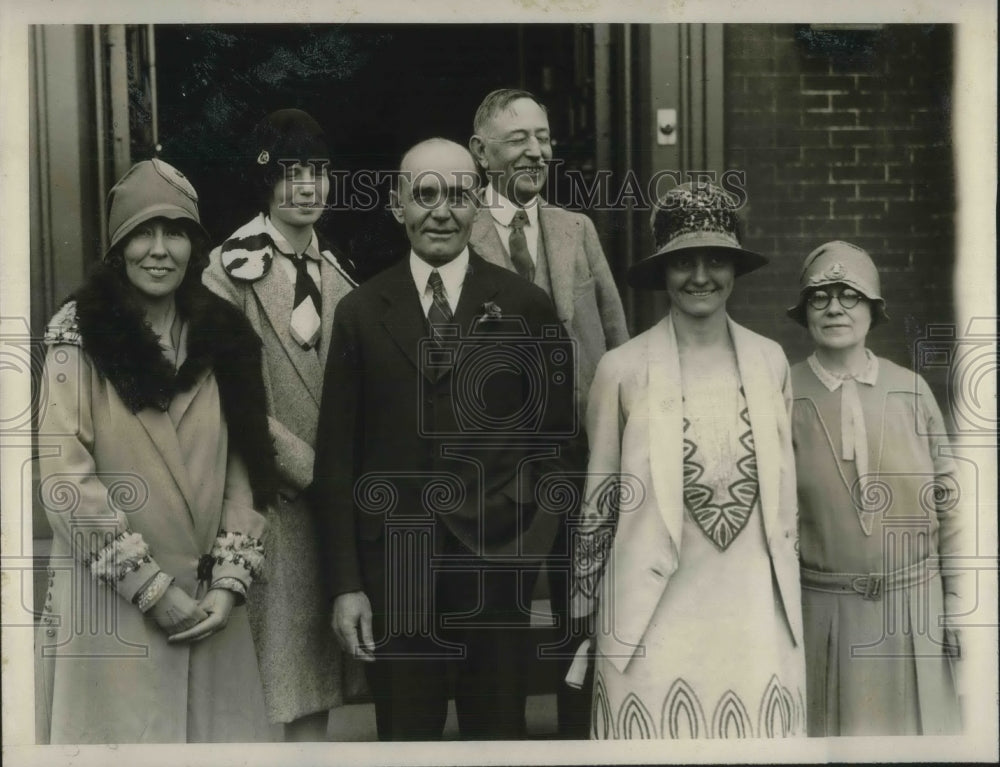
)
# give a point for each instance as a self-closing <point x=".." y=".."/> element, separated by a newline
<point x="376" y="90"/>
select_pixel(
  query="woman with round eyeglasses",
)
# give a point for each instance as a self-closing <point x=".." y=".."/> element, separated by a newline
<point x="685" y="550"/>
<point x="878" y="505"/>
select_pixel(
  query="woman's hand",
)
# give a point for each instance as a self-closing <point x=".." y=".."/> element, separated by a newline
<point x="217" y="604"/>
<point x="176" y="612"/>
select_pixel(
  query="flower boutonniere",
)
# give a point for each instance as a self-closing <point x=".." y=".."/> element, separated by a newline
<point x="489" y="311"/>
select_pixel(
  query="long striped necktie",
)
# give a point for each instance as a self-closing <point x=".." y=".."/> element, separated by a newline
<point x="439" y="313"/>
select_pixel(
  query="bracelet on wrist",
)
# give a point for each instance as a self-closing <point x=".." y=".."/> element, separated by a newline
<point x="156" y="588"/>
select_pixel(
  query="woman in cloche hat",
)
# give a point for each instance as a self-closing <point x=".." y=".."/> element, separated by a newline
<point x="686" y="555"/>
<point x="279" y="271"/>
<point x="155" y="467"/>
<point x="878" y="503"/>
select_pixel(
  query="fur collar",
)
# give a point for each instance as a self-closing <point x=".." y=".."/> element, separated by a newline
<point x="248" y="253"/>
<point x="109" y="325"/>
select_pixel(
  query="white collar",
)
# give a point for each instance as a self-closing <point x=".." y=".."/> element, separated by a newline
<point x="452" y="274"/>
<point x="284" y="247"/>
<point x="503" y="210"/>
<point x="832" y="381"/>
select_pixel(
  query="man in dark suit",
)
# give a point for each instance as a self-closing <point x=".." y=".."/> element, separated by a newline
<point x="559" y="251"/>
<point x="448" y="395"/>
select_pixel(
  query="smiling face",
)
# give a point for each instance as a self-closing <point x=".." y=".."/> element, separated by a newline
<point x="515" y="148"/>
<point x="699" y="284"/>
<point x="297" y="200"/>
<point x="156" y="256"/>
<point x="835" y="327"/>
<point x="435" y="199"/>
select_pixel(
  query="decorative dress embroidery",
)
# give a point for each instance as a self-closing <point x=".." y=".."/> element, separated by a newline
<point x="684" y="680"/>
<point x="779" y="714"/>
<point x="64" y="328"/>
<point x="125" y="554"/>
<point x="722" y="522"/>
<point x="239" y="549"/>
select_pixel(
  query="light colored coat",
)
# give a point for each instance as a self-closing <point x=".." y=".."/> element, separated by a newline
<point x="109" y="674"/>
<point x="635" y="429"/>
<point x="301" y="664"/>
<point x="293" y="376"/>
<point x="583" y="289"/>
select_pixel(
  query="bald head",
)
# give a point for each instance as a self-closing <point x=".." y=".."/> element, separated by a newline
<point x="435" y="154"/>
<point x="435" y="199"/>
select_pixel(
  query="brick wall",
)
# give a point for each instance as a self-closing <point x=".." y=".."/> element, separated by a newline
<point x="844" y="135"/>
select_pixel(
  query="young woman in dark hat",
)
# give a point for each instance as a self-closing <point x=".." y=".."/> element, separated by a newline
<point x="155" y="462"/>
<point x="287" y="281"/>
<point x="687" y="551"/>
<point x="878" y="502"/>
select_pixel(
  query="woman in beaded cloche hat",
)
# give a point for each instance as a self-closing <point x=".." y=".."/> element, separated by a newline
<point x="878" y="506"/>
<point x="686" y="557"/>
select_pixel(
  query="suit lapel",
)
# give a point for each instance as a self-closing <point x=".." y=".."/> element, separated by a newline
<point x="276" y="294"/>
<point x="558" y="232"/>
<point x="335" y="287"/>
<point x="404" y="316"/>
<point x="163" y="435"/>
<point x="477" y="289"/>
<point x="762" y="398"/>
<point x="666" y="425"/>
<point x="485" y="240"/>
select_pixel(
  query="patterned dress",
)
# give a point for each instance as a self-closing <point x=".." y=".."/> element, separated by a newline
<point x="716" y="660"/>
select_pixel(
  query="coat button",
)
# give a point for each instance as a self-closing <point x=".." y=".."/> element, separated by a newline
<point x="50" y="632"/>
<point x="788" y="534"/>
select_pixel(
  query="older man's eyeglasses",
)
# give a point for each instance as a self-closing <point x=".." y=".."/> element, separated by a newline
<point x="847" y="298"/>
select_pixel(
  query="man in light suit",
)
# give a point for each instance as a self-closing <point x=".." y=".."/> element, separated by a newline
<point x="429" y="451"/>
<point x="512" y="144"/>
<point x="559" y="251"/>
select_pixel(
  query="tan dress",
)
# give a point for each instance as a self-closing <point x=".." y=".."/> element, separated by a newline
<point x="876" y="664"/>
<point x="716" y="660"/>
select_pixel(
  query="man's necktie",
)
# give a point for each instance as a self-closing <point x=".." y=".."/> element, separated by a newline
<point x="518" y="244"/>
<point x="306" y="322"/>
<point x="440" y="312"/>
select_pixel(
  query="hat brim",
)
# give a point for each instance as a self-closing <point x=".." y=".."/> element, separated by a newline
<point x="159" y="210"/>
<point x="650" y="273"/>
